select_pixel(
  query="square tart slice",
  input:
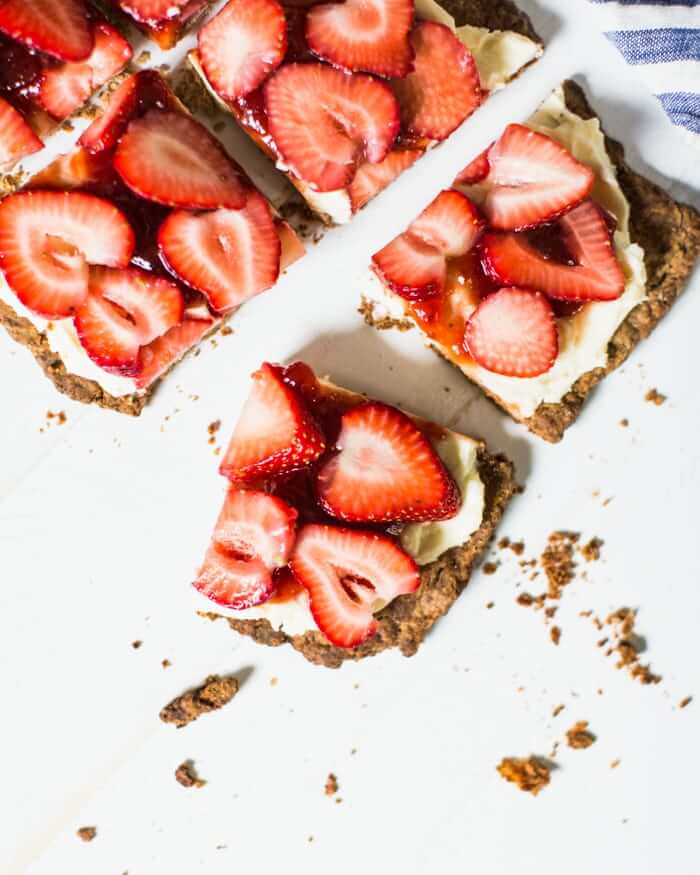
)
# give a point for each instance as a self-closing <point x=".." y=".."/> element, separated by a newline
<point x="121" y="256"/>
<point x="543" y="267"/>
<point x="348" y="526"/>
<point x="344" y="97"/>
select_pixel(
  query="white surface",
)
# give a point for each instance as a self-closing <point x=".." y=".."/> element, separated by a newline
<point x="103" y="519"/>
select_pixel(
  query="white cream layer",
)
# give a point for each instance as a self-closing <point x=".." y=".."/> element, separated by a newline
<point x="584" y="337"/>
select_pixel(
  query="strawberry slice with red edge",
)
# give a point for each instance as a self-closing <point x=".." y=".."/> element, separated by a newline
<point x="17" y="139"/>
<point x="414" y="264"/>
<point x="350" y="575"/>
<point x="66" y="87"/>
<point x="275" y="432"/>
<point x="444" y="87"/>
<point x="242" y="45"/>
<point x="513" y="332"/>
<point x="371" y="179"/>
<point x="385" y="470"/>
<point x="596" y="276"/>
<point x="162" y="353"/>
<point x="48" y="239"/>
<point x="253" y="536"/>
<point x="60" y="28"/>
<point x="474" y="172"/>
<point x="325" y="122"/>
<point x="125" y="310"/>
<point x="153" y="12"/>
<point x="229" y="255"/>
<point x="171" y="159"/>
<point x="369" y="35"/>
<point x="532" y="179"/>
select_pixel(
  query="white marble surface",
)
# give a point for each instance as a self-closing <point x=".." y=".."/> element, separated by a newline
<point x="103" y="519"/>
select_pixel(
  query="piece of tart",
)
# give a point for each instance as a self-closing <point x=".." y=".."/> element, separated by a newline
<point x="348" y="526"/>
<point x="118" y="258"/>
<point x="164" y="21"/>
<point x="54" y="54"/>
<point x="544" y="266"/>
<point x="346" y="96"/>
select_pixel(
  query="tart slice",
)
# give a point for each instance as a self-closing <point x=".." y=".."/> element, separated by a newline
<point x="348" y="526"/>
<point x="572" y="259"/>
<point x="345" y="96"/>
<point x="120" y="257"/>
<point x="164" y="21"/>
<point x="54" y="54"/>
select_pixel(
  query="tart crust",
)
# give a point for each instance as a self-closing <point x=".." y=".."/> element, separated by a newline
<point x="407" y="620"/>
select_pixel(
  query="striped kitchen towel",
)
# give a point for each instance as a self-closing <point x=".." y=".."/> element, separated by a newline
<point x="661" y="39"/>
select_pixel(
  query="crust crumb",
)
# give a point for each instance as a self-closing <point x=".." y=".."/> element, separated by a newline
<point x="557" y="710"/>
<point x="615" y="763"/>
<point x="624" y="422"/>
<point x="685" y="702"/>
<point x="382" y="323"/>
<point x="489" y="567"/>
<point x="86" y="833"/>
<point x="530" y="774"/>
<point x="166" y="663"/>
<point x="591" y="550"/>
<point x="558" y="563"/>
<point x="555" y="635"/>
<point x="653" y="396"/>
<point x="579" y="736"/>
<point x="213" y="694"/>
<point x="226" y="331"/>
<point x="331" y="785"/>
<point x="186" y="775"/>
<point x="136" y="644"/>
<point x="628" y="645"/>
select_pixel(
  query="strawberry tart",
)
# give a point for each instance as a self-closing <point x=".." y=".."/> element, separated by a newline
<point x="346" y="96"/>
<point x="542" y="268"/>
<point x="164" y="21"/>
<point x="118" y="258"/>
<point x="54" y="54"/>
<point x="348" y="526"/>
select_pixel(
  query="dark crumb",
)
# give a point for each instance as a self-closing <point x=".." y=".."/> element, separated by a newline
<point x="530" y="774"/>
<point x="550" y="611"/>
<point x="655" y="397"/>
<point x="628" y="645"/>
<point x="136" y="644"/>
<point x="685" y="702"/>
<point x="555" y="635"/>
<point x="615" y="763"/>
<point x="489" y="567"/>
<point x="331" y="786"/>
<point x="338" y="800"/>
<point x="186" y="775"/>
<point x="519" y="488"/>
<point x="214" y="693"/>
<point x="166" y="663"/>
<point x="518" y="547"/>
<point x="525" y="599"/>
<point x="212" y="429"/>
<point x="489" y="605"/>
<point x="226" y="331"/>
<point x="60" y="417"/>
<point x="591" y="550"/>
<point x="558" y="563"/>
<point x="585" y="613"/>
<point x="557" y="710"/>
<point x="624" y="422"/>
<point x="600" y="691"/>
<point x="86" y="833"/>
<point x="310" y="839"/>
<point x="579" y="737"/>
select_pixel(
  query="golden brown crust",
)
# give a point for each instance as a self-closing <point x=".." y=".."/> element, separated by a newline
<point x="408" y="619"/>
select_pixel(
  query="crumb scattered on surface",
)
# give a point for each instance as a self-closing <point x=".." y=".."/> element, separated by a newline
<point x="382" y="323"/>
<point x="615" y="763"/>
<point x="214" y="693"/>
<point x="212" y="429"/>
<point x="86" y="833"/>
<point x="186" y="774"/>
<point x="530" y="774"/>
<point x="517" y="547"/>
<point x="653" y="396"/>
<point x="166" y="663"/>
<point x="136" y="644"/>
<point x="685" y="702"/>
<point x="274" y="681"/>
<point x="555" y="635"/>
<point x="489" y="605"/>
<point x="579" y="736"/>
<point x="591" y="550"/>
<point x="489" y="567"/>
<point x="226" y="331"/>
<point x="331" y="785"/>
<point x="624" y="422"/>
<point x="525" y="599"/>
<point x="558" y="562"/>
<point x="628" y="645"/>
<point x="556" y="711"/>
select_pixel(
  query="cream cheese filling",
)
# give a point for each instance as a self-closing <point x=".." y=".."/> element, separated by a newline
<point x="584" y="337"/>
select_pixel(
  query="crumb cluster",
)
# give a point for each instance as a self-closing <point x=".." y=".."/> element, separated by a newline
<point x="186" y="775"/>
<point x="579" y="736"/>
<point x="331" y="786"/>
<point x="86" y="833"/>
<point x="530" y="774"/>
<point x="214" y="693"/>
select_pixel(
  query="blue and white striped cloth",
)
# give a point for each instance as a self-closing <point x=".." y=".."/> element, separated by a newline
<point x="661" y="39"/>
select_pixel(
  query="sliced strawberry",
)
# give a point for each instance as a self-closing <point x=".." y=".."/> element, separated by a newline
<point x="444" y="87"/>
<point x="369" y="35"/>
<point x="596" y="276"/>
<point x="242" y="45"/>
<point x="350" y="575"/>
<point x="474" y="172"/>
<point x="163" y="352"/>
<point x="125" y="310"/>
<point x="325" y="122"/>
<point x="56" y="27"/>
<point x="532" y="179"/>
<point x="254" y="535"/>
<point x="275" y="432"/>
<point x="385" y="470"/>
<point x="513" y="332"/>
<point x="229" y="255"/>
<point x="414" y="264"/>
<point x="47" y="241"/>
<point x="17" y="139"/>
<point x="153" y="11"/>
<point x="172" y="159"/>
<point x="370" y="179"/>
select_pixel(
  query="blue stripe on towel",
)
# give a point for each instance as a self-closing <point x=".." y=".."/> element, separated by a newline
<point x="658" y="46"/>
